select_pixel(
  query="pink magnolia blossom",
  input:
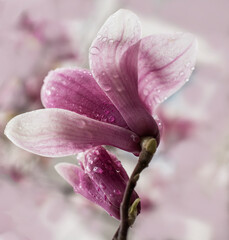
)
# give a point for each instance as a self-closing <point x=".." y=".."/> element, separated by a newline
<point x="113" y="105"/>
<point x="101" y="179"/>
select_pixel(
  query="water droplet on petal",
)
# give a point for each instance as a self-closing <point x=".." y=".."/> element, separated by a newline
<point x="120" y="89"/>
<point x="102" y="186"/>
<point x="118" y="163"/>
<point x="106" y="87"/>
<point x="135" y="138"/>
<point x="94" y="50"/>
<point x="117" y="192"/>
<point x="181" y="73"/>
<point x="81" y="123"/>
<point x="80" y="108"/>
<point x="193" y="68"/>
<point x="97" y="152"/>
<point x="159" y="123"/>
<point x="104" y="39"/>
<point x="97" y="170"/>
<point x="76" y="189"/>
<point x="88" y="169"/>
<point x="157" y="99"/>
<point x="48" y="92"/>
<point x="107" y="111"/>
<point x="115" y="76"/>
<point x="145" y="92"/>
<point x="111" y="119"/>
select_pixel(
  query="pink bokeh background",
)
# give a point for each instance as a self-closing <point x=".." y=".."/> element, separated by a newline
<point x="184" y="191"/>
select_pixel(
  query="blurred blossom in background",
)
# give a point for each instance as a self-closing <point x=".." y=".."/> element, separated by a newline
<point x="184" y="191"/>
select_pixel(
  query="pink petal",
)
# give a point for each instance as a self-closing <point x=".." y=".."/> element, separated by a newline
<point x="113" y="60"/>
<point x="103" y="170"/>
<point x="165" y="64"/>
<point x="83" y="185"/>
<point x="58" y="132"/>
<point x="119" y="167"/>
<point x="77" y="91"/>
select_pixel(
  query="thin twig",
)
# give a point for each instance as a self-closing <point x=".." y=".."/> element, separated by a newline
<point x="116" y="234"/>
<point x="149" y="146"/>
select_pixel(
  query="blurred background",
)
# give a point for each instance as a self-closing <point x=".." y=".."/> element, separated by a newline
<point x="184" y="191"/>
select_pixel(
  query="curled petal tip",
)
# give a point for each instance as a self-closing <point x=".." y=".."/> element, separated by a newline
<point x="69" y="172"/>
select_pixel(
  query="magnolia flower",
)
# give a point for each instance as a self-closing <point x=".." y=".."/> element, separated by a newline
<point x="114" y="103"/>
<point x="101" y="179"/>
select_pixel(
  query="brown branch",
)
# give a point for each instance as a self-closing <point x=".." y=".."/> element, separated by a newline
<point x="149" y="146"/>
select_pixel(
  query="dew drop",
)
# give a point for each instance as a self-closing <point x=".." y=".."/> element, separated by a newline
<point x="102" y="186"/>
<point x="118" y="163"/>
<point x="76" y="189"/>
<point x="159" y="123"/>
<point x="193" y="68"/>
<point x="119" y="86"/>
<point x="111" y="41"/>
<point x="135" y="138"/>
<point x="80" y="108"/>
<point x="115" y="76"/>
<point x="81" y="123"/>
<point x="97" y="152"/>
<point x="104" y="39"/>
<point x="145" y="92"/>
<point x="88" y="169"/>
<point x="111" y="119"/>
<point x="158" y="90"/>
<point x="107" y="111"/>
<point x="97" y="170"/>
<point x="48" y="92"/>
<point x="106" y="87"/>
<point x="117" y="192"/>
<point x="94" y="51"/>
<point x="157" y="99"/>
<point x="187" y="79"/>
<point x="181" y="73"/>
